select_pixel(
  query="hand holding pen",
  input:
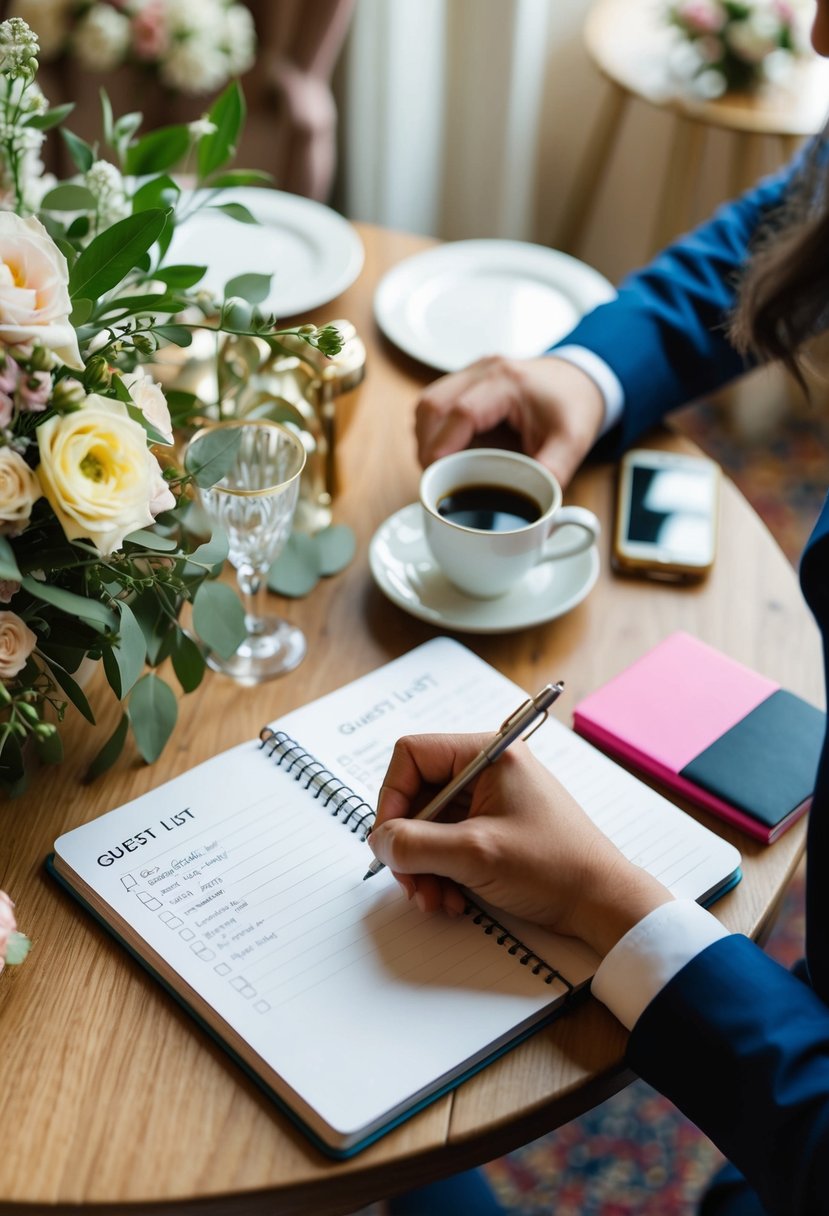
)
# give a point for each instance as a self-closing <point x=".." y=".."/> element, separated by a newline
<point x="525" y="847"/>
<point x="519" y="725"/>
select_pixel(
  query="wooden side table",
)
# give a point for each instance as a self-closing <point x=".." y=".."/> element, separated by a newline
<point x="628" y="41"/>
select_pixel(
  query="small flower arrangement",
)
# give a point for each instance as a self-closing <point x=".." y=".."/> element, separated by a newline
<point x="13" y="945"/>
<point x="100" y="543"/>
<point x="194" y="46"/>
<point x="734" y="45"/>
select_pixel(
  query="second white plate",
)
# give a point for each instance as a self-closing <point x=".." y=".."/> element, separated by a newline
<point x="312" y="252"/>
<point x="465" y="299"/>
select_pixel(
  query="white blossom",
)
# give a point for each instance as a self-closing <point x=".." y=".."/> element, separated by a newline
<point x="240" y="39"/>
<point x="194" y="66"/>
<point x="102" y="38"/>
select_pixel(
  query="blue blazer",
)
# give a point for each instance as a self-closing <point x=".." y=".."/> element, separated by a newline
<point x="737" y="1042"/>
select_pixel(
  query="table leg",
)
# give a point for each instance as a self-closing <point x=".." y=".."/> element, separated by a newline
<point x="675" y="205"/>
<point x="583" y="192"/>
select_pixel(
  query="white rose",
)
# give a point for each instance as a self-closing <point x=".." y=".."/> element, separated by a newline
<point x="34" y="291"/>
<point x="151" y="401"/>
<point x="97" y="472"/>
<point x="19" y="491"/>
<point x="16" y="644"/>
<point x="102" y="38"/>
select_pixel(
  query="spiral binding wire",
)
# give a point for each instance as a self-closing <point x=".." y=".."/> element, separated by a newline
<point x="328" y="789"/>
<point x="351" y="808"/>
<point x="514" y="945"/>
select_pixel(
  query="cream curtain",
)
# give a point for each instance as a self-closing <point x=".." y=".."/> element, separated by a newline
<point x="470" y="118"/>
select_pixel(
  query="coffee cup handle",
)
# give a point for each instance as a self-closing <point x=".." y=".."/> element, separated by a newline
<point x="589" y="530"/>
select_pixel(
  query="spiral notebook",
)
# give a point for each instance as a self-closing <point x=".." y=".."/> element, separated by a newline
<point x="240" y="885"/>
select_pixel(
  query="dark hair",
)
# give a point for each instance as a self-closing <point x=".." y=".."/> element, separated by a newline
<point x="783" y="298"/>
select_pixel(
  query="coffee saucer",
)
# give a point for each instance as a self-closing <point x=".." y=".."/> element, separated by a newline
<point x="406" y="572"/>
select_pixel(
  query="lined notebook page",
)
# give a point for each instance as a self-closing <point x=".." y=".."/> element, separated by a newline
<point x="252" y="893"/>
<point x="259" y="906"/>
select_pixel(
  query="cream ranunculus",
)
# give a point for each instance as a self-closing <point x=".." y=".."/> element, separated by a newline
<point x="16" y="644"/>
<point x="97" y="472"/>
<point x="151" y="401"/>
<point x="19" y="491"/>
<point x="34" y="289"/>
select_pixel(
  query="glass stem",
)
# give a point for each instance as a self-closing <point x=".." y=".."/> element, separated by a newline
<point x="254" y="589"/>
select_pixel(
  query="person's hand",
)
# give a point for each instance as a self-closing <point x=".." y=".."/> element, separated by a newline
<point x="555" y="408"/>
<point x="525" y="845"/>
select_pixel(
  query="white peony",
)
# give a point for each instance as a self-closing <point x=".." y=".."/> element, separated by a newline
<point x="195" y="65"/>
<point x="239" y="39"/>
<point x="100" y="478"/>
<point x="34" y="289"/>
<point x="102" y="38"/>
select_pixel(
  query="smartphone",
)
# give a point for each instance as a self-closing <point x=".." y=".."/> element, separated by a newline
<point x="666" y="515"/>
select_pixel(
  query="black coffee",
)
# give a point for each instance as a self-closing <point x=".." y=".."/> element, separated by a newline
<point x="489" y="508"/>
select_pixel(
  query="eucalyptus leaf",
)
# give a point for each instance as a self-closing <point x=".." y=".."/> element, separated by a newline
<point x="251" y="287"/>
<point x="90" y="610"/>
<point x="335" y="547"/>
<point x="114" y="252"/>
<point x="111" y="750"/>
<point x="106" y="115"/>
<point x="69" y="197"/>
<point x="219" y="619"/>
<point x="213" y="552"/>
<point x="236" y="211"/>
<point x="213" y="455"/>
<point x="124" y="128"/>
<point x="153" y="710"/>
<point x="237" y="315"/>
<point x="188" y="662"/>
<point x="130" y="651"/>
<point x="151" y="540"/>
<point x="176" y="335"/>
<point x="227" y="115"/>
<point x="73" y="691"/>
<point x="296" y="571"/>
<point x="8" y="564"/>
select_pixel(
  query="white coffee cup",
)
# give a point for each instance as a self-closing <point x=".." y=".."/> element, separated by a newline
<point x="484" y="563"/>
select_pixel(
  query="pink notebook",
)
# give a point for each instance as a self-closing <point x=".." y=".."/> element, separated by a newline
<point x="715" y="731"/>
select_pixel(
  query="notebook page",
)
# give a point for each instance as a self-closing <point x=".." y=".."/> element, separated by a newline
<point x="253" y="894"/>
<point x="441" y="686"/>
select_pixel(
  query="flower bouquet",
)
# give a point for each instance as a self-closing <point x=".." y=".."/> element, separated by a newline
<point x="100" y="543"/>
<point x="734" y="45"/>
<point x="193" y="46"/>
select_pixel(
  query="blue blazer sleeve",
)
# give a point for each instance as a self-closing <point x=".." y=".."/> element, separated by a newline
<point x="664" y="335"/>
<point x="742" y="1047"/>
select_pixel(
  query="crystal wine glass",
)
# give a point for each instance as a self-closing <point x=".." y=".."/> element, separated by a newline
<point x="254" y="504"/>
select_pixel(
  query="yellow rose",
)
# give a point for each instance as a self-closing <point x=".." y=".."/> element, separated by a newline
<point x="19" y="491"/>
<point x="16" y="644"/>
<point x="34" y="289"/>
<point x="97" y="472"/>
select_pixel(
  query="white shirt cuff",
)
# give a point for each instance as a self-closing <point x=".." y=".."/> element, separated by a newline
<point x="602" y="374"/>
<point x="650" y="954"/>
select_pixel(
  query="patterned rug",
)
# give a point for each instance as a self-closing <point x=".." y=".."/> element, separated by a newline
<point x="636" y="1155"/>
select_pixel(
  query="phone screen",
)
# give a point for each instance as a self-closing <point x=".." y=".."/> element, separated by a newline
<point x="672" y="508"/>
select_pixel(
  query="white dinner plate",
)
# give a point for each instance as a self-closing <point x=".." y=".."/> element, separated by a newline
<point x="312" y="252"/>
<point x="405" y="571"/>
<point x="465" y="299"/>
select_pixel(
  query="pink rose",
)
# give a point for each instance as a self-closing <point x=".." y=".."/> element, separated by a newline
<point x="9" y="375"/>
<point x="34" y="289"/>
<point x="6" y="409"/>
<point x="8" y="926"/>
<point x="16" y="644"/>
<point x="9" y="588"/>
<point x="150" y="36"/>
<point x="34" y="391"/>
<point x="702" y="16"/>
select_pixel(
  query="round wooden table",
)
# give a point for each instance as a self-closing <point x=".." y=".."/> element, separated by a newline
<point x="111" y="1097"/>
<point x="629" y="42"/>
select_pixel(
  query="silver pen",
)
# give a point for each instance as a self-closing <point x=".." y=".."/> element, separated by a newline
<point x="528" y="717"/>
